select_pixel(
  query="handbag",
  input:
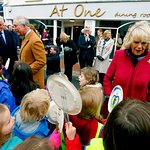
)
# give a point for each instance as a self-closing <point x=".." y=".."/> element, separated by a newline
<point x="67" y="49"/>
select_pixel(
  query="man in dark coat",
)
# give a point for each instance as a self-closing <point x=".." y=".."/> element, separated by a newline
<point x="86" y="44"/>
<point x="7" y="46"/>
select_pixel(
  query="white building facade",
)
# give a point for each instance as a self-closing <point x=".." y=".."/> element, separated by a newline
<point x="71" y="17"/>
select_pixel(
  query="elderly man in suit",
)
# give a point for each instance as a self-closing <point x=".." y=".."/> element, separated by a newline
<point x="86" y="44"/>
<point x="32" y="49"/>
<point x="7" y="46"/>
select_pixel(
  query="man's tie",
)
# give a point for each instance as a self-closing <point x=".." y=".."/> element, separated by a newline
<point x="1" y="38"/>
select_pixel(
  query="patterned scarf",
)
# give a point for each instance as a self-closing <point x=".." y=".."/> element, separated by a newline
<point x="104" y="43"/>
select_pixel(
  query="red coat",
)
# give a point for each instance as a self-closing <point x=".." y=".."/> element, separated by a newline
<point x="86" y="129"/>
<point x="73" y="144"/>
<point x="134" y="80"/>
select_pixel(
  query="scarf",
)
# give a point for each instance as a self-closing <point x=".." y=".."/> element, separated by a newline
<point x="135" y="58"/>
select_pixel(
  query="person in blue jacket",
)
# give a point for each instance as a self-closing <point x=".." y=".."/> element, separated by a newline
<point x="30" y="115"/>
<point x="6" y="96"/>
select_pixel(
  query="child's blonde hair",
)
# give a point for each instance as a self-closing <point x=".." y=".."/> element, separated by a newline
<point x="34" y="105"/>
<point x="91" y="75"/>
<point x="91" y="100"/>
<point x="36" y="143"/>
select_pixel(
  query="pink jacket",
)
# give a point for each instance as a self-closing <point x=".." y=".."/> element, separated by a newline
<point x="133" y="80"/>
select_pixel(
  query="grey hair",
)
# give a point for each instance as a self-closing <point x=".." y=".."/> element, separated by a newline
<point x="22" y="21"/>
<point x="140" y="29"/>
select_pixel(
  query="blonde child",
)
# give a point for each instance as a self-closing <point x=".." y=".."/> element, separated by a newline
<point x="127" y="128"/>
<point x="89" y="77"/>
<point x="30" y="116"/>
<point x="86" y="125"/>
<point x="36" y="143"/>
<point x="7" y="141"/>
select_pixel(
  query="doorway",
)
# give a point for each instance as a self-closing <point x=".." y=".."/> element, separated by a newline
<point x="73" y="29"/>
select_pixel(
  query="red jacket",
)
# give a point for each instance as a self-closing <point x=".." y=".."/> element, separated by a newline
<point x="73" y="144"/>
<point x="86" y="129"/>
<point x="134" y="80"/>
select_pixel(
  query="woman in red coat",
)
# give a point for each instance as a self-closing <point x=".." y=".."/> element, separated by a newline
<point x="130" y="68"/>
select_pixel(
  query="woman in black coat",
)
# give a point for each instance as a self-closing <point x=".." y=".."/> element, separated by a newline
<point x="70" y="56"/>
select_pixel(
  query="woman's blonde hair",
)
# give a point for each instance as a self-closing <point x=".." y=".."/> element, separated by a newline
<point x="34" y="105"/>
<point x="140" y="30"/>
<point x="105" y="33"/>
<point x="64" y="37"/>
<point x="3" y="138"/>
<point x="91" y="74"/>
<point x="91" y="100"/>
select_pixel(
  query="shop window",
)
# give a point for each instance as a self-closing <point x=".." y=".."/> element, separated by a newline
<point x="59" y="23"/>
<point x="48" y="22"/>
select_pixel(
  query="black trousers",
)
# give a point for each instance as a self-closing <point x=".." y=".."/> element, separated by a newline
<point x="101" y="77"/>
<point x="68" y="71"/>
<point x="85" y="61"/>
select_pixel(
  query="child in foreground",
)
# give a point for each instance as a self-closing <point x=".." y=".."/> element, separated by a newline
<point x="127" y="126"/>
<point x="86" y="124"/>
<point x="7" y="141"/>
<point x="89" y="77"/>
<point x="30" y="115"/>
<point x="36" y="143"/>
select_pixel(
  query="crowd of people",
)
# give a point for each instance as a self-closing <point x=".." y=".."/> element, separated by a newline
<point x="25" y="99"/>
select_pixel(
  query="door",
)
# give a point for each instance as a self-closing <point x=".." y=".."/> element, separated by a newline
<point x="73" y="29"/>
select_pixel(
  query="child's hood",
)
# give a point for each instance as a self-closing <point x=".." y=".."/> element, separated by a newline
<point x="24" y="126"/>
